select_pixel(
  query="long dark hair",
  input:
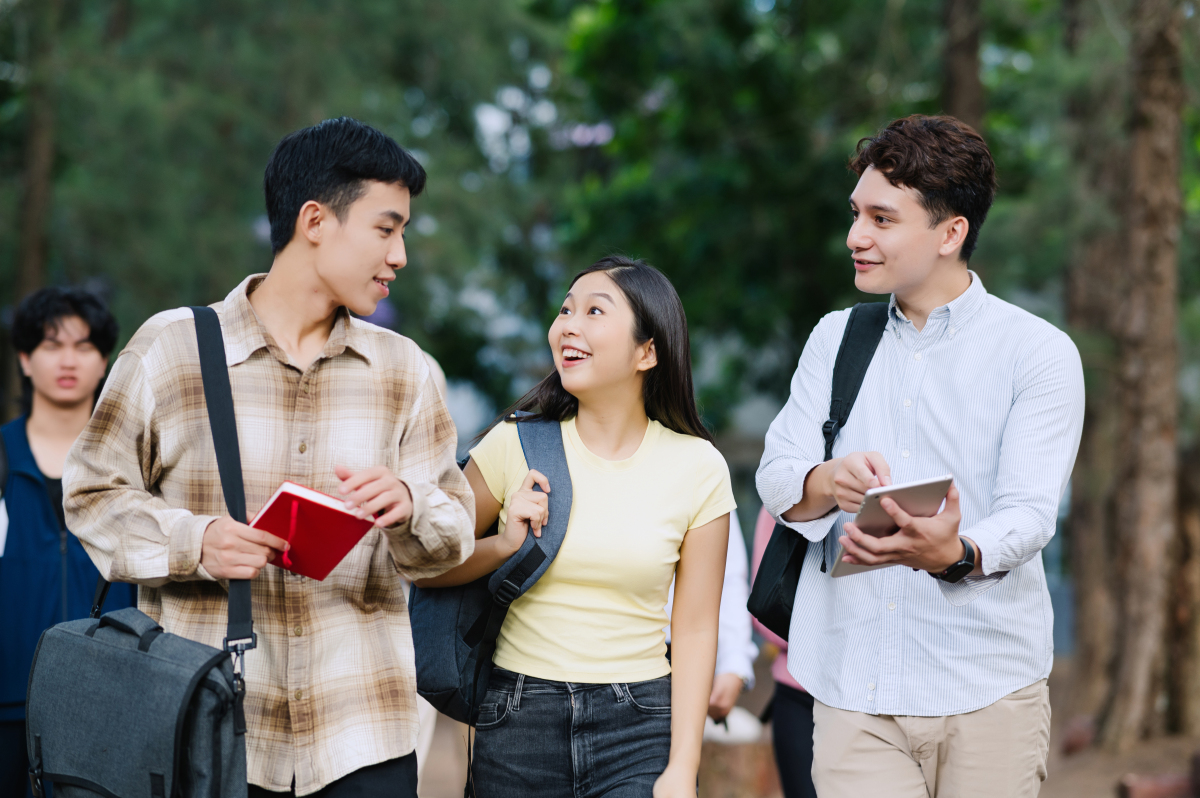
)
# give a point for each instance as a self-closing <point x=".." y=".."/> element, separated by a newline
<point x="658" y="314"/>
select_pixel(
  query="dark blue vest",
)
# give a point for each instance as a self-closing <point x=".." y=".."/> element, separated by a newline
<point x="45" y="574"/>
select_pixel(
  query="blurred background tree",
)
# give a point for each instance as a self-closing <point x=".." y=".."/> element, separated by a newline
<point x="710" y="137"/>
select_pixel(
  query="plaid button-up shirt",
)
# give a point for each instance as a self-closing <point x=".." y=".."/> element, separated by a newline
<point x="332" y="684"/>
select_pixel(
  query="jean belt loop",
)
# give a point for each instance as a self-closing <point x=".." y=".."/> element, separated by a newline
<point x="617" y="690"/>
<point x="515" y="702"/>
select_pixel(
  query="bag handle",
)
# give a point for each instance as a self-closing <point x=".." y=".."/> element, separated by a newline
<point x="218" y="396"/>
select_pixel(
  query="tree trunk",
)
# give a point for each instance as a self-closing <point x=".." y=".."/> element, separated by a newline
<point x="1146" y="380"/>
<point x="1093" y="290"/>
<point x="1183" y="635"/>
<point x="39" y="147"/>
<point x="37" y="179"/>
<point x="962" y="90"/>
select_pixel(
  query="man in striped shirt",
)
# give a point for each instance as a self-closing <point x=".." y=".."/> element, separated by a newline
<point x="929" y="679"/>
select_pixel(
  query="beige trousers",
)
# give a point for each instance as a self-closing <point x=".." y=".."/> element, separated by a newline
<point x="999" y="750"/>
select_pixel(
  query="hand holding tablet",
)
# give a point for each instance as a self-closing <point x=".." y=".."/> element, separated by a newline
<point x="920" y="499"/>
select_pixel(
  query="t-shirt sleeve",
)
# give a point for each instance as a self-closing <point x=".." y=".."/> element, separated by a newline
<point x="494" y="455"/>
<point x="713" y="496"/>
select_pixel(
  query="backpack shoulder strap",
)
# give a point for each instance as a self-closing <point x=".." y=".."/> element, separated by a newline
<point x="542" y="443"/>
<point x="218" y="396"/>
<point x="859" y="342"/>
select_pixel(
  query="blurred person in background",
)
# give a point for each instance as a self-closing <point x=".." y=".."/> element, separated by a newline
<point x="63" y="337"/>
<point x="791" y="707"/>
<point x="735" y="647"/>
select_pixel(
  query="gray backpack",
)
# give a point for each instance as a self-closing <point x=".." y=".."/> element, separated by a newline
<point x="454" y="629"/>
<point x="118" y="708"/>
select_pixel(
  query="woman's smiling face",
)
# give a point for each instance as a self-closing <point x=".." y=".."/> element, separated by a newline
<point x="592" y="338"/>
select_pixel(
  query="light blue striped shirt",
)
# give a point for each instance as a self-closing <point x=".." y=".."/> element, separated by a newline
<point x="986" y="392"/>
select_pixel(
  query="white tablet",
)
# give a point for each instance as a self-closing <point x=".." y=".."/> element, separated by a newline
<point x="920" y="499"/>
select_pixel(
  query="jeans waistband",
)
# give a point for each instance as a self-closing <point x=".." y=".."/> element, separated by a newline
<point x="505" y="679"/>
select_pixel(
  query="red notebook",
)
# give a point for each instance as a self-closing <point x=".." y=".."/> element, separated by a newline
<point x="318" y="526"/>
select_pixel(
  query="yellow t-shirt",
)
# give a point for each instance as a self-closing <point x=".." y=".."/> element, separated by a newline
<point x="597" y="613"/>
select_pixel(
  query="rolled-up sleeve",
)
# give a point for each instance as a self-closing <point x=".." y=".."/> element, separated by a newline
<point x="794" y="444"/>
<point x="1041" y="439"/>
<point x="130" y="534"/>
<point x="440" y="533"/>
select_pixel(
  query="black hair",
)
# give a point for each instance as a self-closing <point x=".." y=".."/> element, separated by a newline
<point x="330" y="163"/>
<point x="657" y="315"/>
<point x="44" y="310"/>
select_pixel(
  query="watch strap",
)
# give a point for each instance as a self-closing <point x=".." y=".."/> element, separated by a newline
<point x="960" y="569"/>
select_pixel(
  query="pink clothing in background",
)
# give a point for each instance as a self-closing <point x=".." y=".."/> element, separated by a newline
<point x="762" y="534"/>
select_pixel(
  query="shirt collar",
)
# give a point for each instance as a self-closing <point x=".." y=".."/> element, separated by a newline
<point x="957" y="310"/>
<point x="245" y="334"/>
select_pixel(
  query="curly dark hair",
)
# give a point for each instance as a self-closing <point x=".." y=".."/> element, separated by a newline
<point x="44" y="309"/>
<point x="944" y="160"/>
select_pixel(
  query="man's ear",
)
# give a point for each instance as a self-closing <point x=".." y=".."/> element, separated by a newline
<point x="649" y="356"/>
<point x="308" y="222"/>
<point x="955" y="236"/>
<point x="24" y="360"/>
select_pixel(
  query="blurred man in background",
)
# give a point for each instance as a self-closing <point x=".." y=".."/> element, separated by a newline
<point x="63" y="337"/>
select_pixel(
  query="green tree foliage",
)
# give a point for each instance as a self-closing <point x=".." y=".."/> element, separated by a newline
<point x="708" y="136"/>
<point x="167" y="112"/>
<point x="733" y="121"/>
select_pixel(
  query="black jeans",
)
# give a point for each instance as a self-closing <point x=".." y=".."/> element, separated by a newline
<point x="396" y="778"/>
<point x="792" y="733"/>
<point x="543" y="739"/>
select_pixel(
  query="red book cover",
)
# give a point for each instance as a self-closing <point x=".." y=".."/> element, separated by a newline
<point x="317" y="525"/>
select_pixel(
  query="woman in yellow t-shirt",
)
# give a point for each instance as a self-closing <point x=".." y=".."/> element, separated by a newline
<point x="583" y="700"/>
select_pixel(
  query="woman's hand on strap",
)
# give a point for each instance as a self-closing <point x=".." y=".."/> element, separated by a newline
<point x="528" y="510"/>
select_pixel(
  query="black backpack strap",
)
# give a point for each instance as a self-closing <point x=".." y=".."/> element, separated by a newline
<point x="860" y="340"/>
<point x="542" y="444"/>
<point x="773" y="593"/>
<point x="864" y="328"/>
<point x="218" y="396"/>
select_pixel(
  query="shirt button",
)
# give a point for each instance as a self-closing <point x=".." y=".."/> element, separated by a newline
<point x="871" y="686"/>
<point x="891" y="606"/>
<point x="904" y="453"/>
<point x="870" y="696"/>
<point x="917" y="356"/>
<point x="299" y="694"/>
<point x="304" y="448"/>
<point x="299" y="631"/>
<point x="908" y="402"/>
